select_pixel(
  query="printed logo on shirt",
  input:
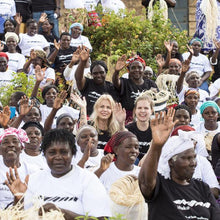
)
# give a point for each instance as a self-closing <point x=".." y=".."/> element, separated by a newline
<point x="59" y="199"/>
<point x="135" y="94"/>
<point x="186" y="205"/>
<point x="94" y="95"/>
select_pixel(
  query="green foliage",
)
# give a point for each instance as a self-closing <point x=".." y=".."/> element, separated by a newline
<point x="116" y="217"/>
<point x="20" y="82"/>
<point x="126" y="32"/>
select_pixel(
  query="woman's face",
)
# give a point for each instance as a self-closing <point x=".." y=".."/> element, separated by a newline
<point x="50" y="97"/>
<point x="175" y="48"/>
<point x="183" y="117"/>
<point x="59" y="158"/>
<point x="9" y="27"/>
<point x="65" y="42"/>
<point x="174" y="68"/>
<point x="35" y="136"/>
<point x="148" y="74"/>
<point x="98" y="74"/>
<point x="194" y="81"/>
<point x="183" y="167"/>
<point x="196" y="46"/>
<point x="86" y="135"/>
<point x="104" y="110"/>
<point x="46" y="26"/>
<point x="66" y="123"/>
<point x="192" y="100"/>
<point x="11" y="43"/>
<point x="210" y="115"/>
<point x="128" y="151"/>
<point x="136" y="70"/>
<point x="32" y="29"/>
<point x="11" y="148"/>
<point x="33" y="115"/>
<point x="38" y="61"/>
<point x="143" y="111"/>
<point x="3" y="64"/>
<point x="76" y="31"/>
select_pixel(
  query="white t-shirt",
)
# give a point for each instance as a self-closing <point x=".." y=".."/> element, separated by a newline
<point x="49" y="74"/>
<point x="45" y="111"/>
<point x="38" y="161"/>
<point x="81" y="40"/>
<point x="29" y="42"/>
<point x="79" y="191"/>
<point x="199" y="64"/>
<point x="6" y="196"/>
<point x="214" y="88"/>
<point x="73" y="4"/>
<point x="93" y="163"/>
<point x="16" y="61"/>
<point x="5" y="77"/>
<point x="113" y="5"/>
<point x="196" y="119"/>
<point x="112" y="174"/>
<point x="203" y="95"/>
<point x="90" y="4"/>
<point x="204" y="172"/>
<point x="201" y="128"/>
<point x="7" y="7"/>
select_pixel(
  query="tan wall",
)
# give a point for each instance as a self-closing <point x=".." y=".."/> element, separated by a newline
<point x="192" y="19"/>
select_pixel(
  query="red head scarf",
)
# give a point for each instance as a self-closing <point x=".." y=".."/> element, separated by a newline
<point x="2" y="54"/>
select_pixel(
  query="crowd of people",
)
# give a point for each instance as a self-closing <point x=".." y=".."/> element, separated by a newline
<point x="145" y="145"/>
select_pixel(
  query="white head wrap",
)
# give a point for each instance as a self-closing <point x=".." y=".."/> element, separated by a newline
<point x="11" y="34"/>
<point x="175" y="145"/>
<point x="148" y="68"/>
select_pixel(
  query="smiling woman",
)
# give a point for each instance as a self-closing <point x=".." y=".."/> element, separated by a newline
<point x="74" y="191"/>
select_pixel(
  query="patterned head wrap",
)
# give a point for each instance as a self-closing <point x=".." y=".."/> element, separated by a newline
<point x="209" y="104"/>
<point x="19" y="133"/>
<point x="191" y="91"/>
<point x="135" y="58"/>
<point x="188" y="75"/>
<point x="174" y="146"/>
<point x="11" y="34"/>
<point x="174" y="60"/>
<point x="75" y="25"/>
<point x="42" y="54"/>
<point x="116" y="140"/>
<point x="195" y="40"/>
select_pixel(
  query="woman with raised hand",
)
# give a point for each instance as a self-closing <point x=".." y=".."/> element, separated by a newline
<point x="93" y="88"/>
<point x="166" y="180"/>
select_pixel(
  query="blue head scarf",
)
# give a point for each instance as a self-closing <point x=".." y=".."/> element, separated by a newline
<point x="195" y="40"/>
<point x="76" y="25"/>
<point x="209" y="104"/>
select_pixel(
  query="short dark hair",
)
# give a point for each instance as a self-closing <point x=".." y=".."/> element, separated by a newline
<point x="17" y="95"/>
<point x="34" y="124"/>
<point x="98" y="62"/>
<point x="60" y="136"/>
<point x="185" y="107"/>
<point x="47" y="88"/>
<point x="30" y="21"/>
<point x="65" y="33"/>
<point x="11" y="21"/>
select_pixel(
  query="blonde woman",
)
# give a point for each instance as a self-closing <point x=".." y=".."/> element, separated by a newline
<point x="108" y="117"/>
<point x="143" y="109"/>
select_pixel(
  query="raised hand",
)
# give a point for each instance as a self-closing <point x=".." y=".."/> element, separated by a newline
<point x="160" y="60"/>
<point x="77" y="99"/>
<point x="185" y="65"/>
<point x="56" y="44"/>
<point x="121" y="63"/>
<point x="119" y="113"/>
<point x="18" y="18"/>
<point x="58" y="102"/>
<point x="162" y="126"/>
<point x="190" y="49"/>
<point x="14" y="183"/>
<point x="106" y="161"/>
<point x="84" y="54"/>
<point x="76" y="55"/>
<point x="39" y="73"/>
<point x="24" y="106"/>
<point x="217" y="43"/>
<point x="5" y="116"/>
<point x="43" y="18"/>
<point x="168" y="46"/>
